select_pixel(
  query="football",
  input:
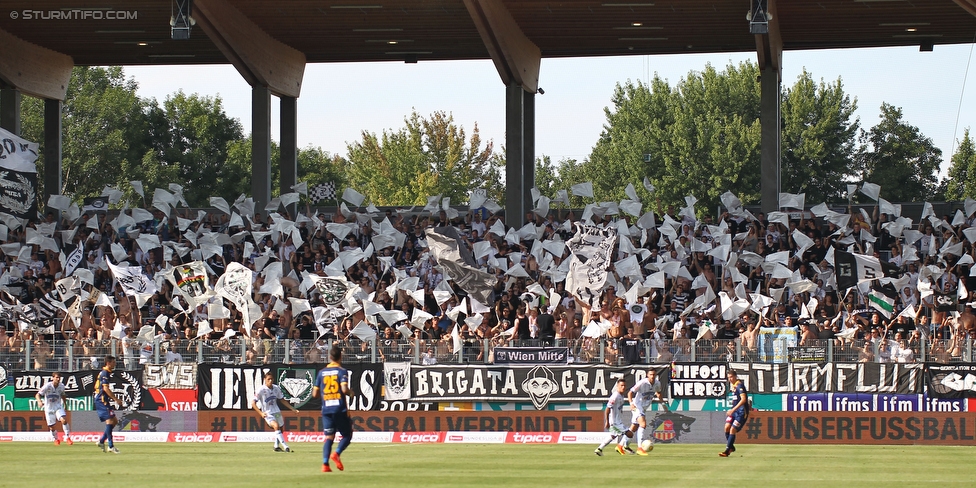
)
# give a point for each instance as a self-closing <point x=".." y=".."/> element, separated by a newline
<point x="647" y="445"/>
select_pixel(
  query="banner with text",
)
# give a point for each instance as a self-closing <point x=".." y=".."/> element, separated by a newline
<point x="860" y="428"/>
<point x="831" y="377"/>
<point x="531" y="355"/>
<point x="951" y="380"/>
<point x="698" y="380"/>
<point x="538" y="384"/>
<point x="232" y="387"/>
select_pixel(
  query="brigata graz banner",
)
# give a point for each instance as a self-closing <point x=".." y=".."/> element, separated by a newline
<point x="951" y="380"/>
<point x="232" y="386"/>
<point x="538" y="384"/>
<point x="831" y="377"/>
<point x="531" y="355"/>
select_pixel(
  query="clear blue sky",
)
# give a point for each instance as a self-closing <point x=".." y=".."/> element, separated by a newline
<point x="339" y="101"/>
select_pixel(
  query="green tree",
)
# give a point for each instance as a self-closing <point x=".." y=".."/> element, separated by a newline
<point x="700" y="137"/>
<point x="897" y="156"/>
<point x="961" y="180"/>
<point x="429" y="156"/>
<point x="105" y="128"/>
<point x="195" y="144"/>
<point x="818" y="139"/>
<point x="636" y="125"/>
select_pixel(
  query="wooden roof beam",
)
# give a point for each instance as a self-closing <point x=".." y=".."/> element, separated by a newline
<point x="967" y="5"/>
<point x="32" y="69"/>
<point x="769" y="46"/>
<point x="260" y="58"/>
<point x="516" y="57"/>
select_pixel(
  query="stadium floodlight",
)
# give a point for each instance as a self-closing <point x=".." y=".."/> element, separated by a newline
<point x="180" y="20"/>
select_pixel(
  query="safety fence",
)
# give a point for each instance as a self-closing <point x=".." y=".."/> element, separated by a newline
<point x="75" y="355"/>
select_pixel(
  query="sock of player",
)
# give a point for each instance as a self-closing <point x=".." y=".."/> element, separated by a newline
<point x="67" y="430"/>
<point x="729" y="445"/>
<point x="54" y="434"/>
<point x="344" y="443"/>
<point x="107" y="436"/>
<point x="640" y="435"/>
<point x="608" y="441"/>
<point x="280" y="438"/>
<point x="726" y="437"/>
<point x="326" y="451"/>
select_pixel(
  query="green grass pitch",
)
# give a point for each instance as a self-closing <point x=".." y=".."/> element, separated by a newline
<point x="456" y="465"/>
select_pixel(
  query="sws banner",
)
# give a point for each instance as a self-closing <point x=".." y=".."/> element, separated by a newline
<point x="174" y="376"/>
<point x="831" y="377"/>
<point x="951" y="380"/>
<point x="531" y="355"/>
<point x="538" y="384"/>
<point x="231" y="387"/>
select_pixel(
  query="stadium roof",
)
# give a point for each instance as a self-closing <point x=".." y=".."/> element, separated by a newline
<point x="384" y="30"/>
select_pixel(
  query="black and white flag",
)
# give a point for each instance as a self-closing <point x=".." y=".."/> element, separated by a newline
<point x="852" y="269"/>
<point x="589" y="263"/>
<point x="322" y="191"/>
<point x="18" y="175"/>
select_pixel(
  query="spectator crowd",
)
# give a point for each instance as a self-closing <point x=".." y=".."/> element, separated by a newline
<point x="675" y="279"/>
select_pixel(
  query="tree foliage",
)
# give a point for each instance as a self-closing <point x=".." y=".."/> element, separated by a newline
<point x="429" y="156"/>
<point x="818" y="139"/>
<point x="961" y="181"/>
<point x="897" y="156"/>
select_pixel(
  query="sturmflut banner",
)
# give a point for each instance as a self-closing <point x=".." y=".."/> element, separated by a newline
<point x="831" y="377"/>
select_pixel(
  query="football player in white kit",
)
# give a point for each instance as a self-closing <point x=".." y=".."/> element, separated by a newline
<point x="640" y="396"/>
<point x="266" y="403"/>
<point x="51" y="398"/>
<point x="614" y="419"/>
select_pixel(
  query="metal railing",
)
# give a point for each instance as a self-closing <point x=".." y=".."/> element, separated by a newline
<point x="73" y="355"/>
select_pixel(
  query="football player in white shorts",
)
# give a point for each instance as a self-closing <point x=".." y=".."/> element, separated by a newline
<point x="51" y="398"/>
<point x="266" y="400"/>
<point x="614" y="419"/>
<point x="640" y="396"/>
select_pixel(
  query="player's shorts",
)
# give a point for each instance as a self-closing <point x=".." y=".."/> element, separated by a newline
<point x="336" y="422"/>
<point x="104" y="411"/>
<point x="274" y="417"/>
<point x="617" y="429"/>
<point x="637" y="414"/>
<point x="53" y="415"/>
<point x="737" y="419"/>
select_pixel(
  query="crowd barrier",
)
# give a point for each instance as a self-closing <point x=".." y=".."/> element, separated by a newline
<point x="73" y="355"/>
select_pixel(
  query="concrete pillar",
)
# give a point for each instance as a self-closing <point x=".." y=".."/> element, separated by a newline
<point x="769" y="118"/>
<point x="10" y="109"/>
<point x="514" y="155"/>
<point x="52" y="148"/>
<point x="528" y="149"/>
<point x="260" y="147"/>
<point x="288" y="165"/>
